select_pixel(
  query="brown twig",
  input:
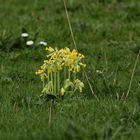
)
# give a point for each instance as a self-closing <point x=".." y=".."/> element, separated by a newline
<point x="132" y="75"/>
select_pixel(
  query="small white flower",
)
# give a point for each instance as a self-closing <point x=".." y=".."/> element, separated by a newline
<point x="29" y="43"/>
<point x="43" y="43"/>
<point x="99" y="71"/>
<point x="24" y="35"/>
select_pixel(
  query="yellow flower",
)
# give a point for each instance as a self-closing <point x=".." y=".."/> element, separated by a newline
<point x="50" y="49"/>
<point x="43" y="67"/>
<point x="74" y="52"/>
<point x="62" y="91"/>
<point x="39" y="72"/>
<point x="83" y="65"/>
<point x="61" y="60"/>
<point x="78" y="85"/>
<point x="76" y="68"/>
<point x="81" y="55"/>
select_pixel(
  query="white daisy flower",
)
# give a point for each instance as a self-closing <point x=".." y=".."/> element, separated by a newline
<point x="24" y="35"/>
<point x="29" y="43"/>
<point x="99" y="71"/>
<point x="43" y="43"/>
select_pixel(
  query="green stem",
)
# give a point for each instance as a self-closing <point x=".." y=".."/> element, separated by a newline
<point x="58" y="81"/>
<point x="52" y="83"/>
<point x="74" y="76"/>
<point x="43" y="84"/>
<point x="48" y="77"/>
<point x="69" y="74"/>
<point x="55" y="90"/>
<point x="65" y="73"/>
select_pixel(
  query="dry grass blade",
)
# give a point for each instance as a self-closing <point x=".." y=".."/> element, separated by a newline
<point x="132" y="75"/>
<point x="70" y="27"/>
<point x="72" y="35"/>
<point x="90" y="85"/>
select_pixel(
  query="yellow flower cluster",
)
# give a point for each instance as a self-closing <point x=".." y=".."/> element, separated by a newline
<point x="58" y="61"/>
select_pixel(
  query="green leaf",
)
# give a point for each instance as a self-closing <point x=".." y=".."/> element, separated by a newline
<point x="67" y="84"/>
<point x="47" y="87"/>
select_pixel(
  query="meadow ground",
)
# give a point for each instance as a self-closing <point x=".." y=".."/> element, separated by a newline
<point x="108" y="33"/>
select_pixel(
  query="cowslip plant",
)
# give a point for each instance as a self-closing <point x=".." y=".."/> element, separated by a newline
<point x="59" y="72"/>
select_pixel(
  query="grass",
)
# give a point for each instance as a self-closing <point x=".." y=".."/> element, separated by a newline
<point x="107" y="32"/>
